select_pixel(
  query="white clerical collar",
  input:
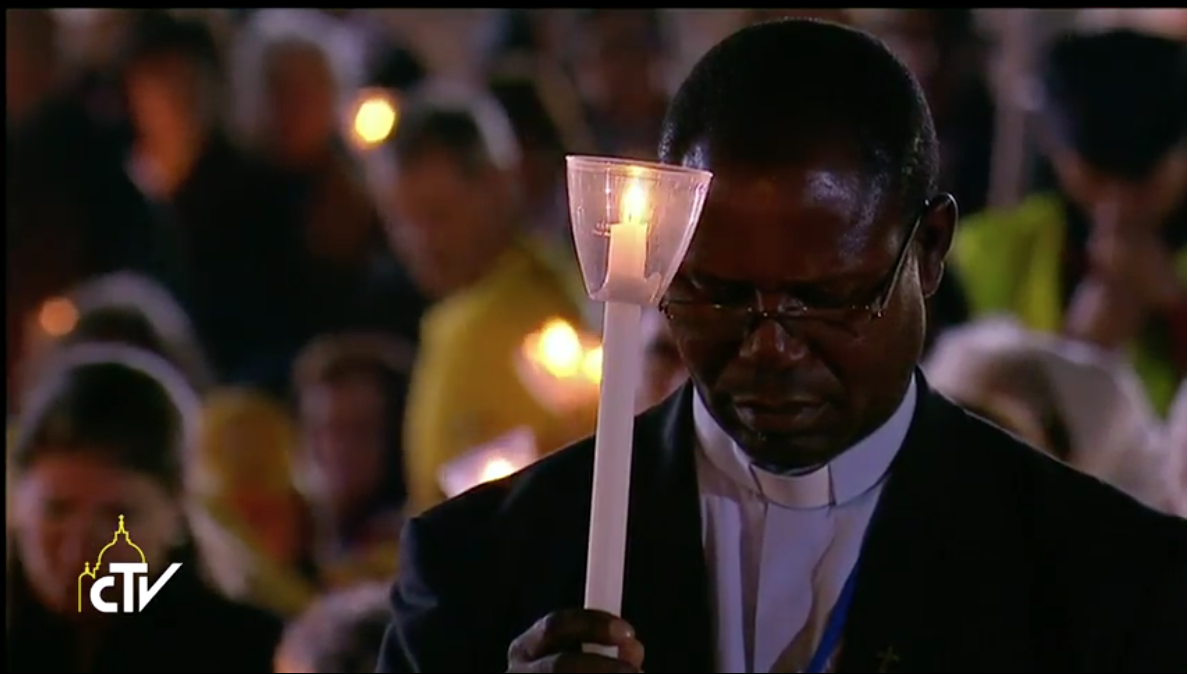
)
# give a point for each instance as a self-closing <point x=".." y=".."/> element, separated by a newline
<point x="853" y="473"/>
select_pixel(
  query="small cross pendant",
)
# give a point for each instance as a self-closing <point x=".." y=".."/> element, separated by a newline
<point x="887" y="658"/>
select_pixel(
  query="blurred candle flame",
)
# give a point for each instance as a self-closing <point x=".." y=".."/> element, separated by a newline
<point x="560" y="366"/>
<point x="57" y="317"/>
<point x="374" y="119"/>
<point x="558" y="349"/>
<point x="496" y="469"/>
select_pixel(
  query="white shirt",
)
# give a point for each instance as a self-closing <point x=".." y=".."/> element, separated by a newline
<point x="779" y="548"/>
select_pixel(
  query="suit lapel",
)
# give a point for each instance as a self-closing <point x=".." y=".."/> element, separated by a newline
<point x="910" y="581"/>
<point x="666" y="592"/>
<point x="908" y="559"/>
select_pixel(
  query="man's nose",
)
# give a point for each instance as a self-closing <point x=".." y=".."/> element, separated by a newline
<point x="771" y="344"/>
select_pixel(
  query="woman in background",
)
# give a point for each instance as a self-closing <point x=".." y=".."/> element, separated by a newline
<point x="98" y="460"/>
<point x="125" y="308"/>
<point x="351" y="392"/>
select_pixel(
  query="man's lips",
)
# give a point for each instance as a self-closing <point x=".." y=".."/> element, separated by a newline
<point x="785" y="416"/>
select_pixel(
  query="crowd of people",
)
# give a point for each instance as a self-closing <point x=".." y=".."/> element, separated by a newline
<point x="252" y="334"/>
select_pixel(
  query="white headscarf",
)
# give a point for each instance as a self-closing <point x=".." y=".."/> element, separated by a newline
<point x="1099" y="399"/>
<point x="1175" y="444"/>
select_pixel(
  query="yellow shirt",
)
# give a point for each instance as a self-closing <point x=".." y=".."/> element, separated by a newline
<point x="465" y="390"/>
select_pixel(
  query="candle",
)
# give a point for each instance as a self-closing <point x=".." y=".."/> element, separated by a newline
<point x="613" y="208"/>
<point x="627" y="254"/>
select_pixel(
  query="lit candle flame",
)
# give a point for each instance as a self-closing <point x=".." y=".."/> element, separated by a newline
<point x="497" y="468"/>
<point x="559" y="349"/>
<point x="634" y="206"/>
<point x="375" y="118"/>
<point x="57" y="317"/>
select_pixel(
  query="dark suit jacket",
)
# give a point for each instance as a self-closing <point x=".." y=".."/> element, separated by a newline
<point x="983" y="555"/>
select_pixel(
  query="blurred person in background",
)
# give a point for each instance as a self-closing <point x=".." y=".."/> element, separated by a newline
<point x="1072" y="401"/>
<point x="388" y="299"/>
<point x="63" y="153"/>
<point x="663" y="371"/>
<point x="618" y="58"/>
<point x="350" y="392"/>
<point x="450" y="200"/>
<point x="123" y="307"/>
<point x="1101" y="259"/>
<point x="545" y="114"/>
<point x="243" y="478"/>
<point x="100" y="451"/>
<point x="293" y="77"/>
<point x="219" y="231"/>
<point x="340" y="634"/>
<point x="946" y="52"/>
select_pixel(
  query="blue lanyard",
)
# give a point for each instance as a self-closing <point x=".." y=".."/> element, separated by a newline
<point x="835" y="626"/>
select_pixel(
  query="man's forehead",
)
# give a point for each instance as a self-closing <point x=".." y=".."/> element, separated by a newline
<point x="818" y="217"/>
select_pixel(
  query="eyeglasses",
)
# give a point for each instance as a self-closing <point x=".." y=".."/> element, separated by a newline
<point x="712" y="319"/>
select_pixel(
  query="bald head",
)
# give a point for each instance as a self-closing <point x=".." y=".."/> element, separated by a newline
<point x="780" y="93"/>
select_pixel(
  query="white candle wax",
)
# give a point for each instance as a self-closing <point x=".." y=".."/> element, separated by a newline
<point x="606" y="555"/>
<point x="627" y="252"/>
<point x="627" y="255"/>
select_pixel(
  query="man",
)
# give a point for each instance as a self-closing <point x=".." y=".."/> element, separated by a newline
<point x="808" y="503"/>
<point x="449" y="199"/>
<point x="1100" y="258"/>
<point x="208" y="221"/>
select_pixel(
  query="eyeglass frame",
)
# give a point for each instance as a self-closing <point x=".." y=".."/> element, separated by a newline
<point x="752" y="315"/>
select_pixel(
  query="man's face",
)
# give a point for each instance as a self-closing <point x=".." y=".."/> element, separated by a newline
<point x="441" y="221"/>
<point x="818" y="233"/>
<point x="1105" y="197"/>
<point x="345" y="435"/>
<point x="300" y="95"/>
<point x="164" y="99"/>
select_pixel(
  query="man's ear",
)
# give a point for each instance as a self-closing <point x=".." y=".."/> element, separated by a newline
<point x="937" y="225"/>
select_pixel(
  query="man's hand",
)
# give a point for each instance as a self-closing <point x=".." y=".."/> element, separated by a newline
<point x="554" y="644"/>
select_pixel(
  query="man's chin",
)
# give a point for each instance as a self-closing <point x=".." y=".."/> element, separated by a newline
<point x="789" y="452"/>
